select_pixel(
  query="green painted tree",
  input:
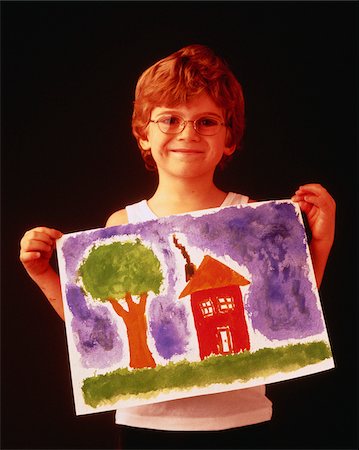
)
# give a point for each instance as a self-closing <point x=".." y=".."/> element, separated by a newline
<point x="121" y="270"/>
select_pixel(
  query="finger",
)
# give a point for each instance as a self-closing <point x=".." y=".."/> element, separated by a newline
<point x="26" y="257"/>
<point x="34" y="245"/>
<point x="36" y="236"/>
<point x="303" y="196"/>
<point x="50" y="232"/>
<point x="314" y="200"/>
<point x="42" y="236"/>
<point x="305" y="192"/>
<point x="325" y="204"/>
<point x="55" y="234"/>
<point x="305" y="206"/>
<point x="313" y="188"/>
<point x="297" y="197"/>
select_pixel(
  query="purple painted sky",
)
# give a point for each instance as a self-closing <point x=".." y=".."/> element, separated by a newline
<point x="267" y="239"/>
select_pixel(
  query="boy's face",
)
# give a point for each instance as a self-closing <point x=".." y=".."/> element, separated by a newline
<point x="187" y="154"/>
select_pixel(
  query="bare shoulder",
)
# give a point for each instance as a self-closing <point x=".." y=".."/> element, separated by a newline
<point x="117" y="218"/>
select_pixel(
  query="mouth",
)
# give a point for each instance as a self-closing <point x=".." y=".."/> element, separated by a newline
<point x="186" y="151"/>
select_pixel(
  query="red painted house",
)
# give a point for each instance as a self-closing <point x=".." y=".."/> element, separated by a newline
<point x="217" y="307"/>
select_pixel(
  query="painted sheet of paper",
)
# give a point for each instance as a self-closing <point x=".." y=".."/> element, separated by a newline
<point x="191" y="304"/>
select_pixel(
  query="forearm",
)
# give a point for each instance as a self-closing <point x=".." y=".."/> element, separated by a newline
<point x="36" y="248"/>
<point x="319" y="207"/>
<point x="319" y="251"/>
<point x="49" y="283"/>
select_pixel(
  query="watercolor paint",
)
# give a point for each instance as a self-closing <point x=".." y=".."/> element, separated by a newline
<point x="190" y="304"/>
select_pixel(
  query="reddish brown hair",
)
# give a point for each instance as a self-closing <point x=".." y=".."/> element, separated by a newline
<point x="178" y="77"/>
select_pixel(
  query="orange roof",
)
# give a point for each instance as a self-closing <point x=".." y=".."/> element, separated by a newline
<point x="213" y="274"/>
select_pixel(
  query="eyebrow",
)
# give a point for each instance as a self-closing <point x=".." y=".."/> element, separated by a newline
<point x="202" y="114"/>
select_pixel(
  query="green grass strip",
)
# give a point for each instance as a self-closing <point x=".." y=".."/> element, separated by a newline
<point x="146" y="383"/>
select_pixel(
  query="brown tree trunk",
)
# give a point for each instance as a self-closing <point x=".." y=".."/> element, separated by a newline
<point x="136" y="324"/>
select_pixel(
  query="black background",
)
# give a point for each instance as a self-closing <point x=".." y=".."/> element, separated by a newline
<point x="68" y="160"/>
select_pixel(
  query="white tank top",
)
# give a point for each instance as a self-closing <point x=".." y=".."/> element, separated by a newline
<point x="206" y="412"/>
<point x="140" y="212"/>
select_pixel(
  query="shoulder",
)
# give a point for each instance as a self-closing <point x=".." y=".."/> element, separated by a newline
<point x="235" y="198"/>
<point x="117" y="218"/>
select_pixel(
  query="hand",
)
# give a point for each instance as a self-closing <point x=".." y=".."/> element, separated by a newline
<point x="36" y="248"/>
<point x="319" y="207"/>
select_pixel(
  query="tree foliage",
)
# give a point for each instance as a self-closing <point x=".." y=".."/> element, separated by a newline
<point x="112" y="270"/>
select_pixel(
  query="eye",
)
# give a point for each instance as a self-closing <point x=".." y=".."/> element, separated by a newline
<point x="170" y="121"/>
<point x="207" y="122"/>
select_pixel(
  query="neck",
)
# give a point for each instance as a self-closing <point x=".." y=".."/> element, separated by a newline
<point x="181" y="196"/>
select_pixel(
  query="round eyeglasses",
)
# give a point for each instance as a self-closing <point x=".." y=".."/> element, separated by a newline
<point x="206" y="126"/>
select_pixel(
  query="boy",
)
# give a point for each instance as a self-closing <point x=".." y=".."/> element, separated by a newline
<point x="188" y="118"/>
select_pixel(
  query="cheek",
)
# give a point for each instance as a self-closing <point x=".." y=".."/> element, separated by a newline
<point x="220" y="144"/>
<point x="162" y="141"/>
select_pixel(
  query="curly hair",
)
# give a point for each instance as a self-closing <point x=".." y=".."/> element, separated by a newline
<point x="178" y="77"/>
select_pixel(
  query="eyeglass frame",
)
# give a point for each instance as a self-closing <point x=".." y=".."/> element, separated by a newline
<point x="184" y="124"/>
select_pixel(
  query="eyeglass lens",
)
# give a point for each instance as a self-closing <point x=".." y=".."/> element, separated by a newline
<point x="174" y="124"/>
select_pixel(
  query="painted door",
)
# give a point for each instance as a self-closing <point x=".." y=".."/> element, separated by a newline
<point x="225" y="343"/>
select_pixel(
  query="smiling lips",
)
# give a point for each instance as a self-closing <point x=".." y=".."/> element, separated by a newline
<point x="187" y="151"/>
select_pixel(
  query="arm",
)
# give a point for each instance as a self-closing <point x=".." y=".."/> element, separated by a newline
<point x="319" y="207"/>
<point x="36" y="249"/>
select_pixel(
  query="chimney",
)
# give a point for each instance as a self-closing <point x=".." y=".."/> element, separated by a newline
<point x="190" y="268"/>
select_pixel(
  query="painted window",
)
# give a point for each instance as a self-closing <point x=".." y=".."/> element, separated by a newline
<point x="207" y="308"/>
<point x="225" y="304"/>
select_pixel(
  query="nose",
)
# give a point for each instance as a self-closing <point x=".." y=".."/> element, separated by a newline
<point x="189" y="131"/>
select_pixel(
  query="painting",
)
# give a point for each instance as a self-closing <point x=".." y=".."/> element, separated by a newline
<point x="190" y="304"/>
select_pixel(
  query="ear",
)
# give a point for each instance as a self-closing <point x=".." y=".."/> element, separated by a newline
<point x="229" y="150"/>
<point x="145" y="144"/>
